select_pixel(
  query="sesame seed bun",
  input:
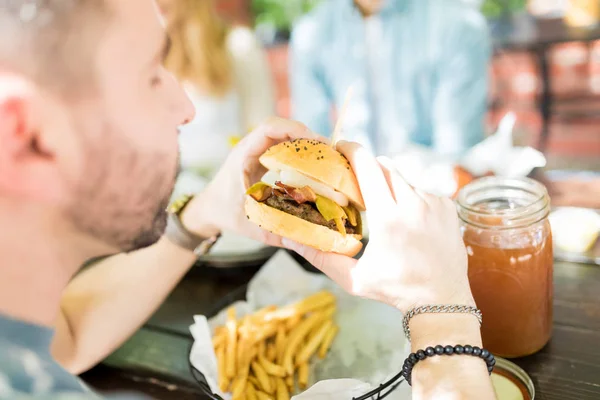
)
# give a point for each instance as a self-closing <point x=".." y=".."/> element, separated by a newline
<point x="318" y="161"/>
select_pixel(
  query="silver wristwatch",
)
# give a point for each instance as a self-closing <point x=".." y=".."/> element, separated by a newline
<point x="177" y="233"/>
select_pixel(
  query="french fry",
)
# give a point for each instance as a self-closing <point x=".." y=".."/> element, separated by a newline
<point x="270" y="368"/>
<point x="260" y="332"/>
<point x="313" y="344"/>
<point x="326" y="343"/>
<point x="329" y="311"/>
<point x="271" y="353"/>
<point x="292" y="322"/>
<point x="223" y="379"/>
<point x="253" y="354"/>
<point x="252" y="379"/>
<point x="282" y="390"/>
<point x="259" y="316"/>
<point x="250" y="391"/>
<point x="262" y="349"/>
<point x="295" y="339"/>
<point x="268" y="331"/>
<point x="238" y="388"/>
<point x="303" y="375"/>
<point x="259" y="354"/>
<point x="247" y="355"/>
<point x="218" y="340"/>
<point x="326" y="311"/>
<point x="302" y="307"/>
<point x="241" y="351"/>
<point x="313" y="302"/>
<point x="263" y="396"/>
<point x="280" y="338"/>
<point x="231" y="345"/>
<point x="263" y="379"/>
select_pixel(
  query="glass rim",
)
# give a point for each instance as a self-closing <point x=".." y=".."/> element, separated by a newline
<point x="540" y="202"/>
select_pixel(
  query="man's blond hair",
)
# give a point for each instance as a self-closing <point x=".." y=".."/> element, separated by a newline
<point x="51" y="41"/>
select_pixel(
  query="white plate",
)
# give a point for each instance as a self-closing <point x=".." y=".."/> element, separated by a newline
<point x="575" y="233"/>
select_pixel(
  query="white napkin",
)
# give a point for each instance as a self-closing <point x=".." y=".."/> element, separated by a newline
<point x="369" y="349"/>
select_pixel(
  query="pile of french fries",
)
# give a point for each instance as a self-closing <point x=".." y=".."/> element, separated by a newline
<point x="266" y="355"/>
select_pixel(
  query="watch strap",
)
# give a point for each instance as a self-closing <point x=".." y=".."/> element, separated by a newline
<point x="179" y="235"/>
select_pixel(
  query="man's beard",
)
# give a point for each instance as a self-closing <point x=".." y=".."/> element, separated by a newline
<point x="122" y="198"/>
<point x="147" y="238"/>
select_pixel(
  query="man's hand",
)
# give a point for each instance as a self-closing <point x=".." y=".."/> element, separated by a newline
<point x="415" y="253"/>
<point x="221" y="205"/>
<point x="415" y="256"/>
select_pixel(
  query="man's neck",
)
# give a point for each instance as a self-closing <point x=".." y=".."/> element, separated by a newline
<point x="38" y="257"/>
<point x="365" y="11"/>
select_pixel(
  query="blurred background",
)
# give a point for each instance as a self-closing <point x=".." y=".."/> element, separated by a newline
<point x="518" y="29"/>
<point x="543" y="67"/>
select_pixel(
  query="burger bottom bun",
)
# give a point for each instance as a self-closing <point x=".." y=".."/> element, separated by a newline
<point x="301" y="231"/>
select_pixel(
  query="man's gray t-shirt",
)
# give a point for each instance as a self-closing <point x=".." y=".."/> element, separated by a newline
<point x="28" y="370"/>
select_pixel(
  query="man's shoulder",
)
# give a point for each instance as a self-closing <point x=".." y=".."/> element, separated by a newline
<point x="27" y="368"/>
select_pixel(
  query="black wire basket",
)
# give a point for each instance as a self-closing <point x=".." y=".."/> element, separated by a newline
<point x="381" y="392"/>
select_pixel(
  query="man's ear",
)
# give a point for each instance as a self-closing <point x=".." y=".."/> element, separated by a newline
<point x="28" y="170"/>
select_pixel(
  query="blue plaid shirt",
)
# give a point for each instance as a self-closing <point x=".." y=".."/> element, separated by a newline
<point x="28" y="371"/>
<point x="418" y="71"/>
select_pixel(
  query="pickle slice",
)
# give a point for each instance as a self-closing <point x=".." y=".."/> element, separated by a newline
<point x="341" y="227"/>
<point x="351" y="214"/>
<point x="359" y="223"/>
<point x="259" y="191"/>
<point x="354" y="218"/>
<point x="330" y="210"/>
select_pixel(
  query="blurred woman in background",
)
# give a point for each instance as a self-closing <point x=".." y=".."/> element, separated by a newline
<point x="226" y="75"/>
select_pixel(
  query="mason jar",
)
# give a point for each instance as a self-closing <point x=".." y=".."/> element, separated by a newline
<point x="507" y="234"/>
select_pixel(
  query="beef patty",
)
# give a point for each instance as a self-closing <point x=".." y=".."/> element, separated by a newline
<point x="306" y="211"/>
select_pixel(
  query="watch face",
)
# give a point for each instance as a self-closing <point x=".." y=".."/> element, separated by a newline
<point x="177" y="205"/>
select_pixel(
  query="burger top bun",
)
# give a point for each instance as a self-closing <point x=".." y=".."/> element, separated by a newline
<point x="318" y="161"/>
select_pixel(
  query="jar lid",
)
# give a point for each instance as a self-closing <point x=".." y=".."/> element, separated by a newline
<point x="511" y="382"/>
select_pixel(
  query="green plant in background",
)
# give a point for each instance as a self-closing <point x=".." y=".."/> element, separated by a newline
<point x="281" y="14"/>
<point x="497" y="8"/>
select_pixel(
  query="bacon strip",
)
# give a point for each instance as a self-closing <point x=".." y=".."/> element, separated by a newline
<point x="300" y="195"/>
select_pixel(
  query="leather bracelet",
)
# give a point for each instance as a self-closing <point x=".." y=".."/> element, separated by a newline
<point x="440" y="350"/>
<point x="439" y="309"/>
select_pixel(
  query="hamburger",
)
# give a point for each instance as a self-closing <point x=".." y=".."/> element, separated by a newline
<point x="310" y="195"/>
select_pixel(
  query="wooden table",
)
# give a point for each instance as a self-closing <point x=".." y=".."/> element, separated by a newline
<point x="155" y="360"/>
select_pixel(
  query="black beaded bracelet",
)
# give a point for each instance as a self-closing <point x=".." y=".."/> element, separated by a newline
<point x="439" y="350"/>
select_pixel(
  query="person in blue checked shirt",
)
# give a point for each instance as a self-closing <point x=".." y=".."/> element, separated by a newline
<point x="418" y="69"/>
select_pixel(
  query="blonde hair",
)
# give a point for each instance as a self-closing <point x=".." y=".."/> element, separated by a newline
<point x="198" y="52"/>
